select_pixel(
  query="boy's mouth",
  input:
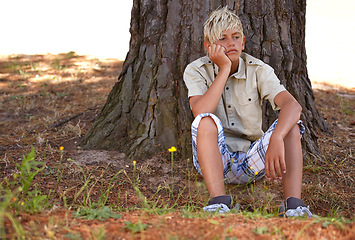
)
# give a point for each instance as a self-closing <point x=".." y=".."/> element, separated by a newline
<point x="232" y="51"/>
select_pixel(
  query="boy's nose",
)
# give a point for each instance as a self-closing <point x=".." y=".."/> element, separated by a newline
<point x="230" y="42"/>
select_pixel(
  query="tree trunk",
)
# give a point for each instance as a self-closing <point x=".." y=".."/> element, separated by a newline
<point x="148" y="111"/>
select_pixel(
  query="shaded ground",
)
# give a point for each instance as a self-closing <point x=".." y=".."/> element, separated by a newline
<point x="49" y="101"/>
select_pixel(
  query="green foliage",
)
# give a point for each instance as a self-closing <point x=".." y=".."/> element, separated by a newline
<point x="324" y="164"/>
<point x="98" y="234"/>
<point x="34" y="201"/>
<point x="25" y="198"/>
<point x="29" y="168"/>
<point x="61" y="94"/>
<point x="15" y="66"/>
<point x="69" y="55"/>
<point x="261" y="230"/>
<point x="136" y="227"/>
<point x="5" y="202"/>
<point x="98" y="213"/>
<point x="338" y="221"/>
<point x="19" y="97"/>
<point x="56" y="64"/>
<point x="73" y="236"/>
<point x="334" y="211"/>
<point x="105" y="193"/>
<point x="17" y="193"/>
<point x="347" y="106"/>
<point x="24" y="75"/>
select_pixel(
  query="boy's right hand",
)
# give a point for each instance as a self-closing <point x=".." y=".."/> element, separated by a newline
<point x="217" y="54"/>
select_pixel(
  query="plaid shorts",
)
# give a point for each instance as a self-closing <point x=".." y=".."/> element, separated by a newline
<point x="238" y="167"/>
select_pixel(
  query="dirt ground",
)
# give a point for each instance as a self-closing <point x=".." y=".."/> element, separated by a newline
<point x="50" y="101"/>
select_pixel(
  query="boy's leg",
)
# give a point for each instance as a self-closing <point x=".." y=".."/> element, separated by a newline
<point x="209" y="157"/>
<point x="251" y="167"/>
<point x="292" y="180"/>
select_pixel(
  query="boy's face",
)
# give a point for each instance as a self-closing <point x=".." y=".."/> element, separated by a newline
<point x="233" y="42"/>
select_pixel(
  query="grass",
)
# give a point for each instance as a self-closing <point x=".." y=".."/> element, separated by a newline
<point x="128" y="195"/>
<point x="347" y="105"/>
<point x="101" y="213"/>
<point x="31" y="200"/>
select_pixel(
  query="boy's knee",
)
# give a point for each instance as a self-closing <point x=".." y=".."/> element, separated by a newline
<point x="294" y="132"/>
<point x="207" y="127"/>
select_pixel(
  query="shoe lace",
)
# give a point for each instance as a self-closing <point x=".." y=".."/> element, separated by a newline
<point x="299" y="211"/>
<point x="217" y="207"/>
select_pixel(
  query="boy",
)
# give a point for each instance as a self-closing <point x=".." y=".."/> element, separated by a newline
<point x="226" y="89"/>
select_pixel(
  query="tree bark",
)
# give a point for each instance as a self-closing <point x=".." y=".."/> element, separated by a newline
<point x="148" y="111"/>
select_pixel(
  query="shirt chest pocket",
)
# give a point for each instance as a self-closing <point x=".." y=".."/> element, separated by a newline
<point x="249" y="111"/>
<point x="247" y="105"/>
<point x="246" y="99"/>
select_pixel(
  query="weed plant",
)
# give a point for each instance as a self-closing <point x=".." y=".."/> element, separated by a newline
<point x="19" y="194"/>
<point x="30" y="199"/>
<point x="22" y="195"/>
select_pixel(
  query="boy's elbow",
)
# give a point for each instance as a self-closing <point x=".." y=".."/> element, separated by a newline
<point x="298" y="107"/>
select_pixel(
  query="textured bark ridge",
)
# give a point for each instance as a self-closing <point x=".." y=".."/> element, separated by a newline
<point x="148" y="111"/>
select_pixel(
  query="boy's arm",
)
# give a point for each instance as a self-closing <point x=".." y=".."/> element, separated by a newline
<point x="208" y="102"/>
<point x="289" y="115"/>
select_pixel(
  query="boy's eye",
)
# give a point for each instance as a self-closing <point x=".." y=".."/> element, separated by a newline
<point x="221" y="39"/>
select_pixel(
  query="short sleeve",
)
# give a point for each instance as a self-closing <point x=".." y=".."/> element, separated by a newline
<point x="194" y="81"/>
<point x="269" y="84"/>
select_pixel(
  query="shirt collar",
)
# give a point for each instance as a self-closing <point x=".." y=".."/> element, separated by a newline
<point x="240" y="74"/>
<point x="204" y="61"/>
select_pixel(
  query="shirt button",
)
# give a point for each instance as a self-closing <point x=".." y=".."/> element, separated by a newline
<point x="232" y="124"/>
<point x="229" y="106"/>
<point x="227" y="88"/>
<point x="249" y="99"/>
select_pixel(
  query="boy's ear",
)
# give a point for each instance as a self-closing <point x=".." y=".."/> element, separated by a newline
<point x="207" y="45"/>
<point x="243" y="43"/>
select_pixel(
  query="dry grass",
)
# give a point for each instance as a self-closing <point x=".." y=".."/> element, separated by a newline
<point x="51" y="101"/>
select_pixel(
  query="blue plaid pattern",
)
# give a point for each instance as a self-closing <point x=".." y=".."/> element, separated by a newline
<point x="239" y="167"/>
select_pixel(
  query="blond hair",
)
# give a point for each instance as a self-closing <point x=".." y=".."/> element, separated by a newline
<point x="219" y="21"/>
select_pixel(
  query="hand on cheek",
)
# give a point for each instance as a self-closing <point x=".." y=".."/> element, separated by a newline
<point x="217" y="54"/>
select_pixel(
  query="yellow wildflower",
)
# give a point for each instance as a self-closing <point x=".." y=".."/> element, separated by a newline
<point x="134" y="162"/>
<point x="61" y="148"/>
<point x="251" y="168"/>
<point x="256" y="173"/>
<point x="22" y="203"/>
<point x="172" y="149"/>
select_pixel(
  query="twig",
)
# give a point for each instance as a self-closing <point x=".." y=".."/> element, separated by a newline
<point x="54" y="125"/>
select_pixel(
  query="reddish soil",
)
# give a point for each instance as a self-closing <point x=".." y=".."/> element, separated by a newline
<point x="49" y="101"/>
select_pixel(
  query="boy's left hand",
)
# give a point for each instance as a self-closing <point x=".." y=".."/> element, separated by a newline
<point x="275" y="164"/>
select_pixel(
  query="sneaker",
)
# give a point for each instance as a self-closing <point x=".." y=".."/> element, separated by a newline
<point x="220" y="204"/>
<point x="282" y="209"/>
<point x="295" y="207"/>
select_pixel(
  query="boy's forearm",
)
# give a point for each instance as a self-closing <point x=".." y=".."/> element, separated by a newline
<point x="288" y="117"/>
<point x="208" y="102"/>
<point x="289" y="114"/>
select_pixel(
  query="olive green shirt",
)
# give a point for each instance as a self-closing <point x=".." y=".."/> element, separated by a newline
<point x="239" y="108"/>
